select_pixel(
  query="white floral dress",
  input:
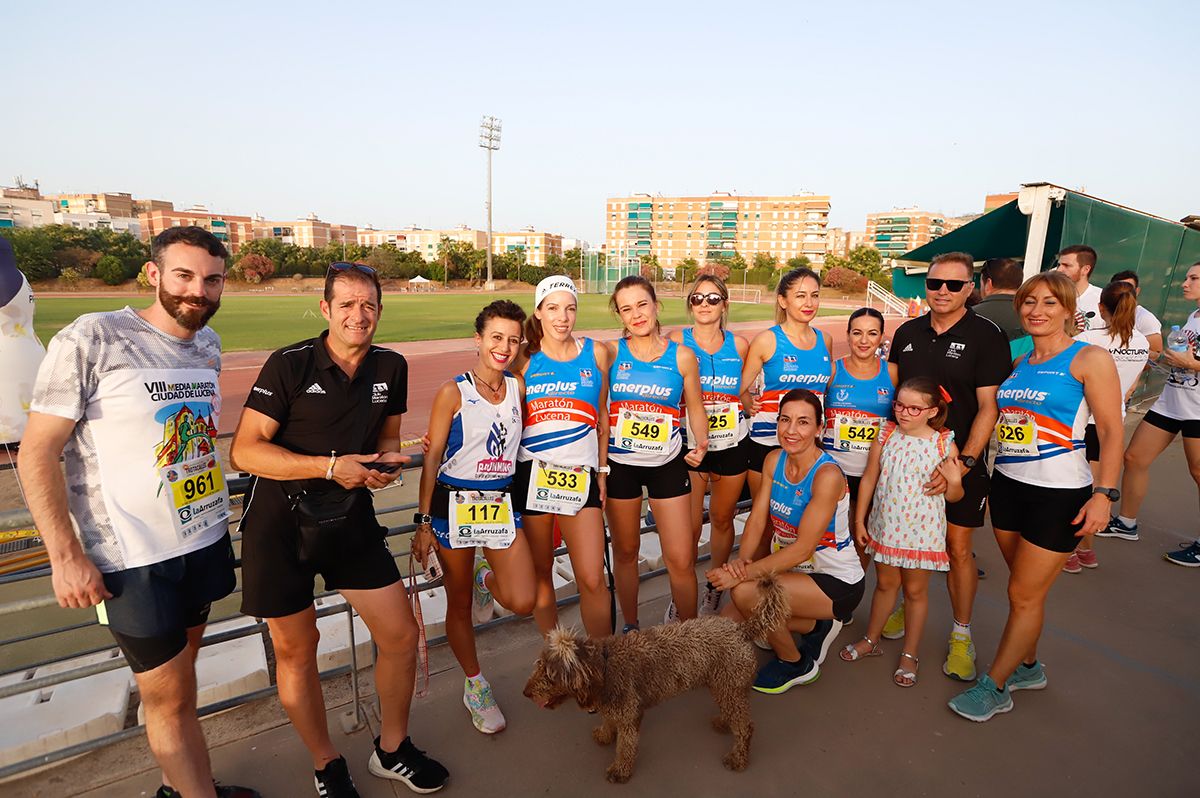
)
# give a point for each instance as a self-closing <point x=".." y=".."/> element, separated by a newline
<point x="906" y="528"/>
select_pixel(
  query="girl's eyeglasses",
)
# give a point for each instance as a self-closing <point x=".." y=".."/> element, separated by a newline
<point x="910" y="410"/>
<point x="705" y="299"/>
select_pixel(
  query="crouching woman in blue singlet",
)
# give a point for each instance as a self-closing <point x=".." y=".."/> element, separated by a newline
<point x="1042" y="497"/>
<point x="465" y="502"/>
<point x="803" y="505"/>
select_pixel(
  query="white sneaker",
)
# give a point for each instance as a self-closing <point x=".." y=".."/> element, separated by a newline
<point x="483" y="606"/>
<point x="485" y="713"/>
<point x="671" y="615"/>
<point x="710" y="602"/>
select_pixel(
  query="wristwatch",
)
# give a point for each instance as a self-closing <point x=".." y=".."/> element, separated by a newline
<point x="1111" y="493"/>
<point x="603" y="470"/>
<point x="968" y="460"/>
<point x="422" y="518"/>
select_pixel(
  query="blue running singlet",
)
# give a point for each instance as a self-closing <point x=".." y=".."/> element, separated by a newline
<point x="720" y="382"/>
<point x="835" y="553"/>
<point x="790" y="367"/>
<point x="562" y="405"/>
<point x="644" y="399"/>
<point x="854" y="412"/>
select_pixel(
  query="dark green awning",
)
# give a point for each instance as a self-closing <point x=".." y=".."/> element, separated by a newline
<point x="998" y="234"/>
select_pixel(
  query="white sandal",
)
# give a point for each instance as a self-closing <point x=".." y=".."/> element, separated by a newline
<point x="851" y="654"/>
<point x="909" y="676"/>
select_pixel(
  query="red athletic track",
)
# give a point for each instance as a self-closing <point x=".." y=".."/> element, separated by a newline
<point x="430" y="363"/>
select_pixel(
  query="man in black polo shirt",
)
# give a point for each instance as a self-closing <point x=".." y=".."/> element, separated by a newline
<point x="967" y="355"/>
<point x="322" y="424"/>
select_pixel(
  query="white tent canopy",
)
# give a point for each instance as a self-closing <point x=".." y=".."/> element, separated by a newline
<point x="418" y="279"/>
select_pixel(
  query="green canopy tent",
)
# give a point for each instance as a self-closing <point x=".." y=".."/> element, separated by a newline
<point x="1046" y="218"/>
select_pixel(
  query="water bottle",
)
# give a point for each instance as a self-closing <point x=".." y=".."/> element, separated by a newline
<point x="1177" y="340"/>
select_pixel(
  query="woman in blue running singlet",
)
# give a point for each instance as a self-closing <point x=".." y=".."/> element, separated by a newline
<point x="650" y="378"/>
<point x="465" y="499"/>
<point x="1042" y="496"/>
<point x="792" y="354"/>
<point x="801" y="513"/>
<point x="857" y="401"/>
<point x="722" y="475"/>
<point x="564" y="447"/>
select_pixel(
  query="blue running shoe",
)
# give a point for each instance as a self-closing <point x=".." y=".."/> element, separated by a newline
<point x="982" y="701"/>
<point x="1027" y="677"/>
<point x="1188" y="555"/>
<point x="1117" y="529"/>
<point x="778" y="676"/>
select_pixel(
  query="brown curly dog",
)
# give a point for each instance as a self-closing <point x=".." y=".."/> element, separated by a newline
<point x="621" y="677"/>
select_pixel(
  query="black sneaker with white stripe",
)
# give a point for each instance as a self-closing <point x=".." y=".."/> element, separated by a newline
<point x="817" y="642"/>
<point x="334" y="781"/>
<point x="410" y="765"/>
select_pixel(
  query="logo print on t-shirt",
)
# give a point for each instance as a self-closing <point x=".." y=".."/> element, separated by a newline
<point x="907" y="348"/>
<point x="315" y="388"/>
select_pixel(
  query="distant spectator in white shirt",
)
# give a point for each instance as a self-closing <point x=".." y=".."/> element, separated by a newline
<point x="1078" y="262"/>
<point x="1144" y="321"/>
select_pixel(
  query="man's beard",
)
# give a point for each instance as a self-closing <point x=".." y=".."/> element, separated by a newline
<point x="185" y="315"/>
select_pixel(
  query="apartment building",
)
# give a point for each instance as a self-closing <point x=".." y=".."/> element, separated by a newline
<point x="370" y="237"/>
<point x="902" y="229"/>
<point x="19" y="211"/>
<point x="232" y="230"/>
<point x="309" y="232"/>
<point x="993" y="201"/>
<point x="843" y="242"/>
<point x="537" y="246"/>
<point x="113" y="203"/>
<point x="94" y="220"/>
<point x="426" y="242"/>
<point x="719" y="225"/>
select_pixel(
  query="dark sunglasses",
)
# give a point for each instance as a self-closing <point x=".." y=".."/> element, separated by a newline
<point x="343" y="266"/>
<point x="935" y="284"/>
<point x="705" y="299"/>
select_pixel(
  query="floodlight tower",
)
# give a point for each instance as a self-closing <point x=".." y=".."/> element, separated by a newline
<point x="489" y="139"/>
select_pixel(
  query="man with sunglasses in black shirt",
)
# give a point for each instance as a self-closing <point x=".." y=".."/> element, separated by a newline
<point x="968" y="355"/>
<point x="322" y="426"/>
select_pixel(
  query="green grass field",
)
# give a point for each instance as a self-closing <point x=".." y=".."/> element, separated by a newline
<point x="269" y="322"/>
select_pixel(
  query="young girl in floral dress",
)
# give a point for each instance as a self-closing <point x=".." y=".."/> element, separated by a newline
<point x="905" y="532"/>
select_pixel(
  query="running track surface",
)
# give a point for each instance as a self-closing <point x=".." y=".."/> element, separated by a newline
<point x="430" y="363"/>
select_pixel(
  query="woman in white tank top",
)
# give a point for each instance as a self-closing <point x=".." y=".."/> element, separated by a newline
<point x="474" y="436"/>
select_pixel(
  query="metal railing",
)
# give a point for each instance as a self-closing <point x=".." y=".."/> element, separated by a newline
<point x="892" y="304"/>
<point x="237" y="486"/>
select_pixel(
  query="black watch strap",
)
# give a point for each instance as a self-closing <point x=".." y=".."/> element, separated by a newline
<point x="422" y="518"/>
<point x="1111" y="493"/>
<point x="968" y="460"/>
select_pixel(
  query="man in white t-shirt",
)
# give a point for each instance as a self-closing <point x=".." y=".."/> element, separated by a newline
<point x="131" y="398"/>
<point x="1078" y="262"/>
<point x="1144" y="321"/>
<point x="20" y="350"/>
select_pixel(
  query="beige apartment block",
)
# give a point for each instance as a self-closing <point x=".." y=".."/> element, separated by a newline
<point x="370" y="237"/>
<point x="717" y="226"/>
<point x="17" y="211"/>
<point x="426" y="242"/>
<point x="114" y="203"/>
<point x="902" y="229"/>
<point x="232" y="230"/>
<point x="537" y="246"/>
<point x="309" y="232"/>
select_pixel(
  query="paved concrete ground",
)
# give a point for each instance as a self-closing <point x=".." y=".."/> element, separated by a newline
<point x="1121" y="714"/>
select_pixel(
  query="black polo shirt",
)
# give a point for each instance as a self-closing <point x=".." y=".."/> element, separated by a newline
<point x="321" y="410"/>
<point x="974" y="353"/>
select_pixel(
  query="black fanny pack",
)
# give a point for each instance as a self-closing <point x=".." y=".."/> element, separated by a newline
<point x="331" y="521"/>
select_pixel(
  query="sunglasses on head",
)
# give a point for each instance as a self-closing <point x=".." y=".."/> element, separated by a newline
<point x="343" y="266"/>
<point x="936" y="283"/>
<point x="705" y="299"/>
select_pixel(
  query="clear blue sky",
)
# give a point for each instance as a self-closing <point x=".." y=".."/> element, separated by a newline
<point x="368" y="112"/>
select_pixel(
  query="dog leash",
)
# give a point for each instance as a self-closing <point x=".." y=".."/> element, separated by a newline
<point x="612" y="591"/>
<point x="414" y="597"/>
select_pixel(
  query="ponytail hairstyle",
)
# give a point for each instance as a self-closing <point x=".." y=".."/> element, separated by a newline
<point x="719" y="284"/>
<point x="933" y="393"/>
<point x="533" y="334"/>
<point x="872" y="312"/>
<point x="1120" y="301"/>
<point x="785" y="284"/>
<point x="634" y="281"/>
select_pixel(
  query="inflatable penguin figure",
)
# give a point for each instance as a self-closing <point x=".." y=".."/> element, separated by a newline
<point x="20" y="350"/>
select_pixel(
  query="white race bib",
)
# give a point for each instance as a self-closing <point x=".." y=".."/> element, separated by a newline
<point x="648" y="433"/>
<point x="723" y="418"/>
<point x="481" y="518"/>
<point x="854" y="433"/>
<point x="197" y="494"/>
<point x="558" y="489"/>
<point x="1016" y="436"/>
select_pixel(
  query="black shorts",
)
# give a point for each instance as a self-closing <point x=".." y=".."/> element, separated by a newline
<point x="662" y="482"/>
<point x="757" y="455"/>
<point x="520" y="489"/>
<point x="1091" y="443"/>
<point x="853" y="483"/>
<point x="727" y="462"/>
<point x="1041" y="515"/>
<point x="845" y="596"/>
<point x="1190" y="428"/>
<point x="275" y="583"/>
<point x="153" y="606"/>
<point x="969" y="510"/>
